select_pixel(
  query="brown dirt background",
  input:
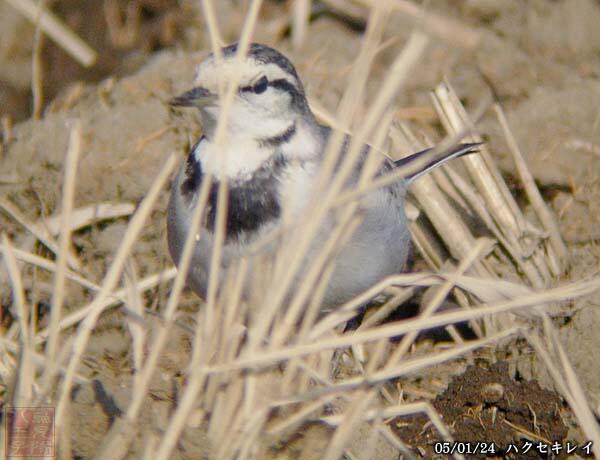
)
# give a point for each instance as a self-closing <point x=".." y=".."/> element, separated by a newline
<point x="541" y="56"/>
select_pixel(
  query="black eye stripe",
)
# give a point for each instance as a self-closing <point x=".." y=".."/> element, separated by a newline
<point x="297" y="95"/>
<point x="281" y="84"/>
<point x="284" y="85"/>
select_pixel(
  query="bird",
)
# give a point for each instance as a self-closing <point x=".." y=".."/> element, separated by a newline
<point x="273" y="149"/>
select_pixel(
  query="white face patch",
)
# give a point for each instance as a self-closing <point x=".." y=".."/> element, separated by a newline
<point x="259" y="122"/>
<point x="253" y="116"/>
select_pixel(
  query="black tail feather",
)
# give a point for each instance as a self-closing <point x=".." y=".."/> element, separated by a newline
<point x="454" y="152"/>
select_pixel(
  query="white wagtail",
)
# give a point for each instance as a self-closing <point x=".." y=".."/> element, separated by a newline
<point x="274" y="148"/>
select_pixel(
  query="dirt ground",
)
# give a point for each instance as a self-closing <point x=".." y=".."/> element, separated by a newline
<point x="540" y="57"/>
<point x="485" y="404"/>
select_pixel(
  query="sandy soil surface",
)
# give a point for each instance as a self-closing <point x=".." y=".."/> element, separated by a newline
<point x="540" y="57"/>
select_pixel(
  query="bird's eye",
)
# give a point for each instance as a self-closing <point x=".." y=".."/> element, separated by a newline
<point x="261" y="85"/>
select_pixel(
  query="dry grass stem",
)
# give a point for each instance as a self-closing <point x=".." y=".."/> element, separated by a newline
<point x="109" y="282"/>
<point x="269" y="358"/>
<point x="37" y="75"/>
<point x="443" y="215"/>
<point x="491" y="186"/>
<point x="290" y="258"/>
<point x="542" y="210"/>
<point x="438" y="298"/>
<point x="68" y="194"/>
<point x="550" y="352"/>
<point x="38" y="359"/>
<point x="447" y="29"/>
<point x="300" y="16"/>
<point x="136" y="328"/>
<point x="56" y="30"/>
<point x="86" y="216"/>
<point x="39" y="232"/>
<point x="348" y="424"/>
<point x="159" y="340"/>
<point x="23" y="390"/>
<point x="42" y="262"/>
<point x="116" y="298"/>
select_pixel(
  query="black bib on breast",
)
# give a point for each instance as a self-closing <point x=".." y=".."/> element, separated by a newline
<point x="252" y="201"/>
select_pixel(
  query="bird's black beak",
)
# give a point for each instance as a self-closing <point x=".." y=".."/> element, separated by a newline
<point x="195" y="97"/>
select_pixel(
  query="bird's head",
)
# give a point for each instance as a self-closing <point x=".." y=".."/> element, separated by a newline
<point x="269" y="96"/>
